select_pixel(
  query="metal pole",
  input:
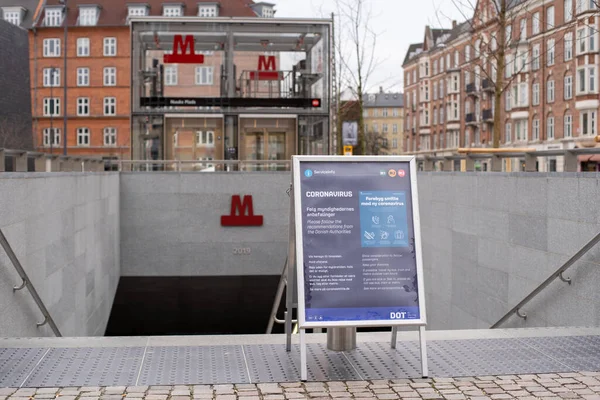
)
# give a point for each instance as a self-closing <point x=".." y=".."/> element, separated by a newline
<point x="65" y="84"/>
<point x="341" y="339"/>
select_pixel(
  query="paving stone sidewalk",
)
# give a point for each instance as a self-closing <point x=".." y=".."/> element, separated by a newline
<point x="582" y="385"/>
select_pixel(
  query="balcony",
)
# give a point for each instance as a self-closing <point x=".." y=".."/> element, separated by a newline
<point x="470" y="119"/>
<point x="487" y="86"/>
<point x="471" y="89"/>
<point x="488" y="116"/>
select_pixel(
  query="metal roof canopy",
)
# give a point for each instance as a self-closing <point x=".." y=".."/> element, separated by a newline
<point x="249" y="34"/>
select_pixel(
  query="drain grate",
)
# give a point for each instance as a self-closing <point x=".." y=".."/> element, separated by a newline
<point x="193" y="365"/>
<point x="16" y="364"/>
<point x="87" y="367"/>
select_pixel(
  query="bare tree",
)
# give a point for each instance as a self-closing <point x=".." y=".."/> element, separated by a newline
<point x="356" y="65"/>
<point x="496" y="44"/>
<point x="15" y="133"/>
<point x="375" y="143"/>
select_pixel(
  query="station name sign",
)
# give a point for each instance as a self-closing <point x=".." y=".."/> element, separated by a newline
<point x="238" y="102"/>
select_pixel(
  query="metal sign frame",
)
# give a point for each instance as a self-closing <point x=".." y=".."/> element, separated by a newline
<point x="298" y="273"/>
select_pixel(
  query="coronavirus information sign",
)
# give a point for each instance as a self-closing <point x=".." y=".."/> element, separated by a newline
<point x="358" y="244"/>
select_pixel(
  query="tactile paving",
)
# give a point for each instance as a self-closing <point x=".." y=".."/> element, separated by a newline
<point x="272" y="363"/>
<point x="16" y="364"/>
<point x="127" y="366"/>
<point x="193" y="365"/>
<point x="580" y="353"/>
<point x="107" y="366"/>
<point x="497" y="357"/>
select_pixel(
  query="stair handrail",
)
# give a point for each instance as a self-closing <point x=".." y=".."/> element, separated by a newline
<point x="557" y="274"/>
<point x="27" y="283"/>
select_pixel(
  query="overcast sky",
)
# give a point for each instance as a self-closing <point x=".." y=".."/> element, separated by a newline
<point x="399" y="22"/>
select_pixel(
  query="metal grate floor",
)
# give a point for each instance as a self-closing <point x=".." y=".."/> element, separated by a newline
<point x="263" y="363"/>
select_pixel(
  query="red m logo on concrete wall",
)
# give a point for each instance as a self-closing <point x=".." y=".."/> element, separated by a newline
<point x="184" y="52"/>
<point x="242" y="213"/>
<point x="267" y="69"/>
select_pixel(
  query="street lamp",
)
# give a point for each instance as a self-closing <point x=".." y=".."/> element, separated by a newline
<point x="65" y="82"/>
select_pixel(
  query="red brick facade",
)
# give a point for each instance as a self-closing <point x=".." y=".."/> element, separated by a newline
<point x="542" y="106"/>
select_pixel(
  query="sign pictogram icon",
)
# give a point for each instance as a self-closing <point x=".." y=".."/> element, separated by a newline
<point x="184" y="51"/>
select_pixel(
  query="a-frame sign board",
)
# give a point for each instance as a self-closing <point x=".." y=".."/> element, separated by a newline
<point x="355" y="246"/>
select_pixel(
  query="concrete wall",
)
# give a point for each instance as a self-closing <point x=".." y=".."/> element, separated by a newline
<point x="64" y="229"/>
<point x="490" y="239"/>
<point x="171" y="224"/>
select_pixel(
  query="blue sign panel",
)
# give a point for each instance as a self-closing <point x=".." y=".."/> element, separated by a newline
<point x="358" y="242"/>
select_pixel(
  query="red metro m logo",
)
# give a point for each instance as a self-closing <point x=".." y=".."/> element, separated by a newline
<point x="184" y="52"/>
<point x="242" y="213"/>
<point x="267" y="69"/>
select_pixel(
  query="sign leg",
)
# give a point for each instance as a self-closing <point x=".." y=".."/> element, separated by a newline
<point x="288" y="330"/>
<point x="394" y="336"/>
<point x="423" y="345"/>
<point x="303" y="366"/>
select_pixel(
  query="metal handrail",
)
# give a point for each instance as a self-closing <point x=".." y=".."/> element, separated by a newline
<point x="558" y="274"/>
<point x="27" y="282"/>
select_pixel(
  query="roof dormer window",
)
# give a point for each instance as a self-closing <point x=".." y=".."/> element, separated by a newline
<point x="14" y="15"/>
<point x="53" y="16"/>
<point x="137" y="11"/>
<point x="268" y="12"/>
<point x="209" y="10"/>
<point x="88" y="15"/>
<point x="172" y="10"/>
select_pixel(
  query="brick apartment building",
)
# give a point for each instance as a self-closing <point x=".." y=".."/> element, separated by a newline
<point x="551" y="97"/>
<point x="98" y="75"/>
<point x="383" y="115"/>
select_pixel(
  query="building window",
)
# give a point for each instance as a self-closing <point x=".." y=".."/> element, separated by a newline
<point x="110" y="106"/>
<point x="83" y="76"/>
<point x="586" y="40"/>
<point x="550" y="18"/>
<point x="51" y="77"/>
<point x="83" y="47"/>
<point x="171" y="75"/>
<point x="523" y="30"/>
<point x="568" y="87"/>
<point x="394" y="143"/>
<point x="568" y="46"/>
<point x="204" y="75"/>
<point x="551" y="52"/>
<point x="385" y="128"/>
<point x="395" y="112"/>
<point x="521" y="130"/>
<point x="536" y="130"/>
<point x="110" y="76"/>
<point x="568" y="10"/>
<point x="53" y="17"/>
<point x="550" y="91"/>
<point x="13" y="17"/>
<point x="550" y="128"/>
<point x="587" y="122"/>
<point x="110" y="46"/>
<point x="110" y="136"/>
<point x="83" y="106"/>
<point x="568" y="126"/>
<point x="51" y="106"/>
<point x="507" y="133"/>
<point x="536" y="94"/>
<point x="535" y="19"/>
<point x="375" y="127"/>
<point x="137" y="11"/>
<point x="172" y="11"/>
<point x="83" y="137"/>
<point x="267" y="12"/>
<point x="51" y="133"/>
<point x="385" y="112"/>
<point x="207" y="11"/>
<point x="536" y="57"/>
<point x="51" y="47"/>
<point x="586" y="5"/>
<point x="88" y="16"/>
<point x="205" y="138"/>
<point x="395" y="128"/>
<point x="586" y="79"/>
